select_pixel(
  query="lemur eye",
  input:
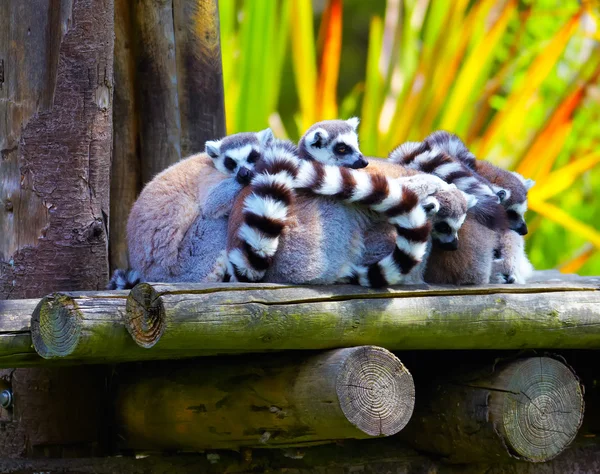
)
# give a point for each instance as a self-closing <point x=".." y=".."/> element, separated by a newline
<point x="253" y="156"/>
<point x="229" y="163"/>
<point x="442" y="228"/>
<point x="342" y="149"/>
<point x="497" y="254"/>
<point x="513" y="215"/>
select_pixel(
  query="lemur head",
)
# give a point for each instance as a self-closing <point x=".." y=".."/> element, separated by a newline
<point x="333" y="142"/>
<point x="454" y="205"/>
<point x="511" y="189"/>
<point x="505" y="265"/>
<point x="237" y="154"/>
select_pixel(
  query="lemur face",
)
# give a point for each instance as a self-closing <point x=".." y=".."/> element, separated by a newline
<point x="237" y="155"/>
<point x="511" y="189"/>
<point x="454" y="205"/>
<point x="333" y="142"/>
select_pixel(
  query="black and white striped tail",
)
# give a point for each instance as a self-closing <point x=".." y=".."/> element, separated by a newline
<point x="265" y="213"/>
<point x="436" y="157"/>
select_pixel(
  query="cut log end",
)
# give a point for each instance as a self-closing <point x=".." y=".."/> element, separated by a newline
<point x="55" y="328"/>
<point x="540" y="409"/>
<point x="145" y="315"/>
<point x="376" y="392"/>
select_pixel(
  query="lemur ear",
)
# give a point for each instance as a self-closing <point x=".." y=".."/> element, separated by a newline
<point x="353" y="122"/>
<point x="213" y="148"/>
<point x="317" y="138"/>
<point x="471" y="200"/>
<point x="529" y="183"/>
<point x="265" y="137"/>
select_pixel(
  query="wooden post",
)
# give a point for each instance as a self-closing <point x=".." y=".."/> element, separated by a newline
<point x="264" y="401"/>
<point x="530" y="409"/>
<point x="55" y="140"/>
<point x="56" y="88"/>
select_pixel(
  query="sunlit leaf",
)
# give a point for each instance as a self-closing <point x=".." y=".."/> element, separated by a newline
<point x="373" y="83"/>
<point x="574" y="264"/>
<point x="331" y="28"/>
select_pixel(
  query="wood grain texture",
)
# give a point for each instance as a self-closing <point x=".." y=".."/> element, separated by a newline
<point x="56" y="129"/>
<point x="181" y="319"/>
<point x="263" y="401"/>
<point x="156" y="84"/>
<point x="126" y="177"/>
<point x="199" y="73"/>
<point x="529" y="409"/>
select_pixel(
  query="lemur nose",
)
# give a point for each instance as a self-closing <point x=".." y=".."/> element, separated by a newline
<point x="359" y="163"/>
<point x="522" y="229"/>
<point x="509" y="278"/>
<point x="244" y="175"/>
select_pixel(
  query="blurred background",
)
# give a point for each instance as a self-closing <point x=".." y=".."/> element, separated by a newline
<point x="518" y="81"/>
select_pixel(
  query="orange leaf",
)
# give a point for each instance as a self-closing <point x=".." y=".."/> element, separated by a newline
<point x="331" y="35"/>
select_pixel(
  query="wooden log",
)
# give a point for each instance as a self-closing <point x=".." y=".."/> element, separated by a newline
<point x="182" y="319"/>
<point x="155" y="63"/>
<point x="199" y="73"/>
<point x="530" y="409"/>
<point x="16" y="349"/>
<point x="356" y="392"/>
<point x="83" y="326"/>
<point x="126" y="178"/>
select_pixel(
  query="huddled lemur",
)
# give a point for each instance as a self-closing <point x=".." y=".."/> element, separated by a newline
<point x="179" y="197"/>
<point x="402" y="201"/>
<point x="473" y="264"/>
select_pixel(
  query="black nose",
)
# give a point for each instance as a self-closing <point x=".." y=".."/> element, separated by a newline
<point x="244" y="175"/>
<point x="509" y="278"/>
<point x="451" y="245"/>
<point x="359" y="163"/>
<point x="521" y="229"/>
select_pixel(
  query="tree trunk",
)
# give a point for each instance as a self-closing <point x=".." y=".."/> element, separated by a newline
<point x="264" y="401"/>
<point x="529" y="409"/>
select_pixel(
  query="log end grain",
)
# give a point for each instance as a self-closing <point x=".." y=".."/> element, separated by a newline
<point x="145" y="315"/>
<point x="55" y="328"/>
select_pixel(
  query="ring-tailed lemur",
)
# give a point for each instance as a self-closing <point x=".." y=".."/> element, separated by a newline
<point x="510" y="264"/>
<point x="404" y="203"/>
<point x="439" y="161"/>
<point x="510" y="187"/>
<point x="175" y="199"/>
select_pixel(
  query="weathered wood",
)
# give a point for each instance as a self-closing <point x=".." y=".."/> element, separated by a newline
<point x="156" y="84"/>
<point x="83" y="326"/>
<point x="181" y="319"/>
<point x="16" y="348"/>
<point x="199" y="73"/>
<point x="55" y="142"/>
<point x="530" y="409"/>
<point x="264" y="401"/>
<point x="126" y="178"/>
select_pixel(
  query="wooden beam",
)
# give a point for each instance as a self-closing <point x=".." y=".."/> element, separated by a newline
<point x="83" y="326"/>
<point x="529" y="409"/>
<point x="183" y="318"/>
<point x="263" y="401"/>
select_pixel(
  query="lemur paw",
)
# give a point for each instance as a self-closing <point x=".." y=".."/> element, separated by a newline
<point x="219" y="270"/>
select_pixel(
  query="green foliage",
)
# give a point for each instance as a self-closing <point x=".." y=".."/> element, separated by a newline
<point x="517" y="80"/>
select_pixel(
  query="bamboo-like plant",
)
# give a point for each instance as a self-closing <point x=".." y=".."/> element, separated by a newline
<point x="517" y="80"/>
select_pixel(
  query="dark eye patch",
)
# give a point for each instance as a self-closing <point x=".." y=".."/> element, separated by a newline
<point x="442" y="228"/>
<point x="253" y="156"/>
<point x="229" y="163"/>
<point x="342" y="149"/>
<point x="497" y="254"/>
<point x="513" y="215"/>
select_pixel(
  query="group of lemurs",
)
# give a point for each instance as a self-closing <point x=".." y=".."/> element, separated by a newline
<point x="255" y="208"/>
